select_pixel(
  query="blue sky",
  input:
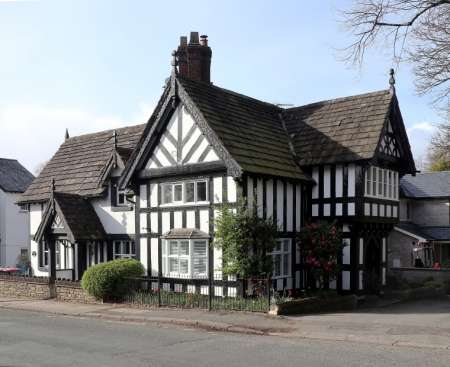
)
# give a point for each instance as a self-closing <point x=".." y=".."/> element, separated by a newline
<point x="91" y="65"/>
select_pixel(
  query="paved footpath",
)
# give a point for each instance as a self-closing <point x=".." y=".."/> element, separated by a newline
<point x="424" y="324"/>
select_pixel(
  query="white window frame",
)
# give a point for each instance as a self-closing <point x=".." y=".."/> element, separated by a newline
<point x="282" y="253"/>
<point x="380" y="178"/>
<point x="191" y="274"/>
<point x="183" y="200"/>
<point x="124" y="254"/>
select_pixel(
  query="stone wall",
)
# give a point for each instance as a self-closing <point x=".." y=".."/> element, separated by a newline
<point x="418" y="275"/>
<point x="40" y="288"/>
<point x="68" y="291"/>
<point x="17" y="286"/>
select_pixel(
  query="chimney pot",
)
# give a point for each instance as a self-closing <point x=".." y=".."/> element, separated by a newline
<point x="194" y="38"/>
<point x="204" y="40"/>
<point x="183" y="41"/>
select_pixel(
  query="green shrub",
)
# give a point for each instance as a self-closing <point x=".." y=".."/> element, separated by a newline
<point x="108" y="280"/>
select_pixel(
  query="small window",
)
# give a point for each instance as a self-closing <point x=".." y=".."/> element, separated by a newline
<point x="281" y="256"/>
<point x="124" y="250"/>
<point x="121" y="198"/>
<point x="185" y="192"/>
<point x="23" y="207"/>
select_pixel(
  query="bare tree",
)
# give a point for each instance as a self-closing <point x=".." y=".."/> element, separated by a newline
<point x="418" y="32"/>
<point x="439" y="150"/>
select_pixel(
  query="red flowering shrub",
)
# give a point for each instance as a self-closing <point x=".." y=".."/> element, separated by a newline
<point x="321" y="245"/>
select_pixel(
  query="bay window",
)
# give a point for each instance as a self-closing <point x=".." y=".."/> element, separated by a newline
<point x="281" y="256"/>
<point x="185" y="258"/>
<point x="188" y="192"/>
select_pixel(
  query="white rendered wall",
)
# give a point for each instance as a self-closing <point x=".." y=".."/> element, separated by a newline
<point x="35" y="220"/>
<point x="15" y="229"/>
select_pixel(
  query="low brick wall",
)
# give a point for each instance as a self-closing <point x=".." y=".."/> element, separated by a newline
<point x="18" y="286"/>
<point x="418" y="275"/>
<point x="315" y="305"/>
<point x="40" y="288"/>
<point x="68" y="291"/>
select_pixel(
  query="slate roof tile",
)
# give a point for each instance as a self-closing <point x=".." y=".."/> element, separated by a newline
<point x="13" y="176"/>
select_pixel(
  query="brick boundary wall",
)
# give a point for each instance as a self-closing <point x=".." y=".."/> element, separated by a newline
<point x="40" y="288"/>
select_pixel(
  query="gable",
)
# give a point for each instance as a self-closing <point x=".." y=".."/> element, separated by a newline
<point x="181" y="143"/>
<point x="388" y="143"/>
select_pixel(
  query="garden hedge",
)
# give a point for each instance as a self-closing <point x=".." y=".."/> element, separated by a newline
<point x="108" y="280"/>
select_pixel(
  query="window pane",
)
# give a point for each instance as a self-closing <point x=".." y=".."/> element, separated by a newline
<point x="173" y="265"/>
<point x="390" y="183"/>
<point x="133" y="248"/>
<point x="173" y="248"/>
<point x="190" y="187"/>
<point x="184" y="266"/>
<point x="286" y="264"/>
<point x="184" y="248"/>
<point x="277" y="265"/>
<point x="178" y="192"/>
<point x="380" y="181"/>
<point x="374" y="181"/>
<point x="117" y="247"/>
<point x="199" y="248"/>
<point x="121" y="198"/>
<point x="201" y="191"/>
<point x="199" y="265"/>
<point x="286" y="246"/>
<point x="126" y="247"/>
<point x="277" y="246"/>
<point x="167" y="194"/>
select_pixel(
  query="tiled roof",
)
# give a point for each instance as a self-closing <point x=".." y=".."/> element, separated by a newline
<point x="426" y="185"/>
<point x="13" y="176"/>
<point x="428" y="233"/>
<point x="79" y="165"/>
<point x="250" y="130"/>
<point x="339" y="130"/>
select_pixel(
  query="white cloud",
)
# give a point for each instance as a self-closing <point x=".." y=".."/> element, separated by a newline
<point x="424" y="126"/>
<point x="419" y="135"/>
<point x="33" y="133"/>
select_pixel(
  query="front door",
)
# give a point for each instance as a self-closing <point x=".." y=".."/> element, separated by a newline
<point x="373" y="266"/>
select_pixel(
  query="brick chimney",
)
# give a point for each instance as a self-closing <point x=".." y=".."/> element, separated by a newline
<point x="194" y="58"/>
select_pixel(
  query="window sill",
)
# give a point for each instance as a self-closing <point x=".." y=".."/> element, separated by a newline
<point x="175" y="205"/>
<point x="122" y="208"/>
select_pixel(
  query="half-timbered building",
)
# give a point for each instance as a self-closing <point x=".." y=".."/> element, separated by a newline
<point x="153" y="191"/>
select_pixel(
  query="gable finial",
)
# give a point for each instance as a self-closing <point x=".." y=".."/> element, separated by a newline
<point x="392" y="81"/>
<point x="67" y="134"/>
<point x="174" y="62"/>
<point x="53" y="185"/>
<point x="115" y="138"/>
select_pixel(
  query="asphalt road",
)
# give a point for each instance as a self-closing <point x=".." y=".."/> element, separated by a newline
<point x="38" y="339"/>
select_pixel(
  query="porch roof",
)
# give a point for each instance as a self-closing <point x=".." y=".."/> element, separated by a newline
<point x="80" y="221"/>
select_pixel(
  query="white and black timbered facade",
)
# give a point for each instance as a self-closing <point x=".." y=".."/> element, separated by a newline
<point x="152" y="192"/>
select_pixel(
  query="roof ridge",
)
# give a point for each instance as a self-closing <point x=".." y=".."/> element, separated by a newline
<point x="9" y="159"/>
<point x="339" y="99"/>
<point x="104" y="131"/>
<point x="229" y="91"/>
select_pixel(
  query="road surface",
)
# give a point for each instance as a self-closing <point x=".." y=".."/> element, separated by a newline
<point x="39" y="339"/>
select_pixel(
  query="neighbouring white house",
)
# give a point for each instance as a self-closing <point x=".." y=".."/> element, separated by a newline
<point x="14" y="218"/>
